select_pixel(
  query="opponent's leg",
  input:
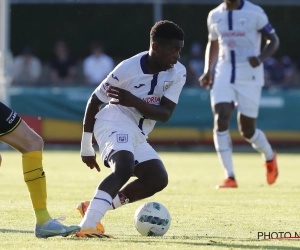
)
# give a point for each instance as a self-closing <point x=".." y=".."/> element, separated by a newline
<point x="31" y="145"/>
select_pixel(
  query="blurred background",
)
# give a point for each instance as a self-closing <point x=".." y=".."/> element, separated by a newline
<point x="53" y="54"/>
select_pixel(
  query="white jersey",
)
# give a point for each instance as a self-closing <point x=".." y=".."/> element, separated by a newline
<point x="239" y="36"/>
<point x="131" y="74"/>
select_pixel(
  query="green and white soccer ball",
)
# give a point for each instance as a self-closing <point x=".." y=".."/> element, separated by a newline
<point x="152" y="219"/>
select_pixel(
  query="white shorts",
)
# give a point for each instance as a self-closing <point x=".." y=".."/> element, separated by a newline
<point x="114" y="136"/>
<point x="245" y="97"/>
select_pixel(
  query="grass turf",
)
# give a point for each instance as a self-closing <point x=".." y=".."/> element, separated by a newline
<point x="202" y="217"/>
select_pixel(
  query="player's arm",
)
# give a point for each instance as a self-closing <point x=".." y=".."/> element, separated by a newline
<point x="211" y="56"/>
<point x="272" y="44"/>
<point x="161" y="112"/>
<point x="87" y="153"/>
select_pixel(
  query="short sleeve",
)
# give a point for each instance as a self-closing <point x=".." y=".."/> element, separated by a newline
<point x="212" y="34"/>
<point x="263" y="24"/>
<point x="111" y="80"/>
<point x="173" y="92"/>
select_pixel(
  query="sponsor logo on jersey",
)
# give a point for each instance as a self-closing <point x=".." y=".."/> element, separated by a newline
<point x="122" y="138"/>
<point x="140" y="85"/>
<point x="152" y="99"/>
<point x="231" y="43"/>
<point x="167" y="85"/>
<point x="11" y="117"/>
<point x="114" y="77"/>
<point x="233" y="34"/>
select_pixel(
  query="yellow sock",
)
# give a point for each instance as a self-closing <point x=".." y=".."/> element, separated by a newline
<point x="35" y="179"/>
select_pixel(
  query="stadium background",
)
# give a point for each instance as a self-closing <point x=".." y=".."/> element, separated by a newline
<point x="123" y="27"/>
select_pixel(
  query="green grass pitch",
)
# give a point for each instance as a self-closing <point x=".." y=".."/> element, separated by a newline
<point x="202" y="217"/>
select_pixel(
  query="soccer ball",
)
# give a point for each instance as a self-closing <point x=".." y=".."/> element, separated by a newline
<point x="152" y="219"/>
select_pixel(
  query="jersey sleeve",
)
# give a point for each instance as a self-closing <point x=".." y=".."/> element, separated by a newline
<point x="173" y="92"/>
<point x="263" y="24"/>
<point x="113" y="79"/>
<point x="212" y="34"/>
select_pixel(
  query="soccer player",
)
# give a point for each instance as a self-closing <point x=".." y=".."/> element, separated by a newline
<point x="139" y="91"/>
<point x="235" y="29"/>
<point x="16" y="133"/>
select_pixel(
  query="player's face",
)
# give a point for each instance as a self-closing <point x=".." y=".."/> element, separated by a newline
<point x="169" y="53"/>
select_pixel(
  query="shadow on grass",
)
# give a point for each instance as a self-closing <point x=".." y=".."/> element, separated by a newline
<point x="3" y="230"/>
<point x="189" y="241"/>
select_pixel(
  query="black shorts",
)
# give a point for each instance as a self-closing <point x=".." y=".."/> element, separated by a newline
<point x="9" y="119"/>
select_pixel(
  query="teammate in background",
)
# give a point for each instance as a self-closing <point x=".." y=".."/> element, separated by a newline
<point x="139" y="91"/>
<point x="16" y="133"/>
<point x="235" y="28"/>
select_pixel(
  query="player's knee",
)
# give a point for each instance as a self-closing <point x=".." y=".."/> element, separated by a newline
<point x="247" y="133"/>
<point x="161" y="181"/>
<point x="36" y="143"/>
<point x="221" y="123"/>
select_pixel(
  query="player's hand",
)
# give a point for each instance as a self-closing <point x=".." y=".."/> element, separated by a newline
<point x="124" y="97"/>
<point x="91" y="162"/>
<point x="205" y="80"/>
<point x="254" y="61"/>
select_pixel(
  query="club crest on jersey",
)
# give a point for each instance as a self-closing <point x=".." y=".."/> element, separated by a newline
<point x="167" y="85"/>
<point x="243" y="21"/>
<point x="122" y="138"/>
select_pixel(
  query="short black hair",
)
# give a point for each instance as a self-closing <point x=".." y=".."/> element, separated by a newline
<point x="166" y="30"/>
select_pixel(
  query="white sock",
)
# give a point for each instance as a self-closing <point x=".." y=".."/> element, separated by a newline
<point x="223" y="147"/>
<point x="97" y="209"/>
<point x="115" y="203"/>
<point x="260" y="143"/>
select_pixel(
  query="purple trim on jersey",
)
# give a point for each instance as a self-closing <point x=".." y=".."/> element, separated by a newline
<point x="153" y="84"/>
<point x="112" y="204"/>
<point x="143" y="64"/>
<point x="268" y="29"/>
<point x="230" y="19"/>
<point x="101" y="199"/>
<point x="242" y="5"/>
<point x="232" y="54"/>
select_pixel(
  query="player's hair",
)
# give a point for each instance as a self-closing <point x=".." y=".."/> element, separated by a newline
<point x="166" y="30"/>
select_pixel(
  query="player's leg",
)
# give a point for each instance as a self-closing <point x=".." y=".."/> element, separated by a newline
<point x="152" y="177"/>
<point x="24" y="139"/>
<point x="151" y="174"/>
<point x="30" y="145"/>
<point x="249" y="97"/>
<point x="222" y="101"/>
<point x="122" y="166"/>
